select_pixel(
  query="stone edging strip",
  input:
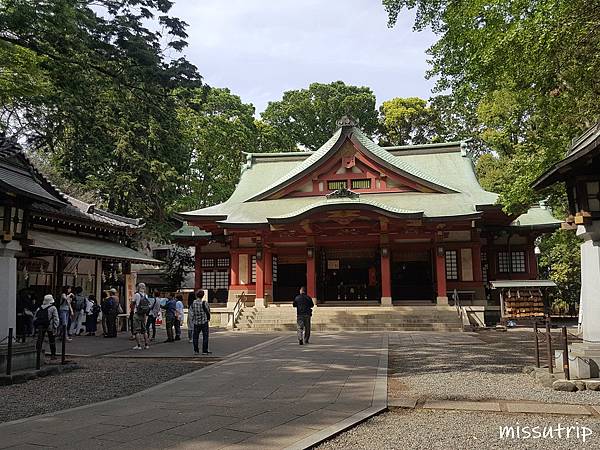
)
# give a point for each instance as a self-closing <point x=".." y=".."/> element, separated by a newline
<point x="228" y="358"/>
<point x="501" y="406"/>
<point x="378" y="405"/>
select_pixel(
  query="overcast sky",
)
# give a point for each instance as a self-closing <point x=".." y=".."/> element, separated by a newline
<point x="261" y="48"/>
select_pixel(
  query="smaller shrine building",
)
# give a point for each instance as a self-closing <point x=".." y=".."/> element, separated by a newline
<point x="357" y="223"/>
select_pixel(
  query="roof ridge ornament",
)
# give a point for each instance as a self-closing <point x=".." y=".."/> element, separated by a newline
<point x="343" y="193"/>
<point x="347" y="121"/>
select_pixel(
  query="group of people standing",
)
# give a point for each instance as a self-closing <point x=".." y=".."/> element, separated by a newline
<point x="77" y="313"/>
<point x="145" y="310"/>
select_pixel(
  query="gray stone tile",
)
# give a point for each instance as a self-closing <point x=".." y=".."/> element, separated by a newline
<point x="319" y="419"/>
<point x="73" y="437"/>
<point x="202" y="426"/>
<point x="292" y="393"/>
<point x="137" y="431"/>
<point x="11" y="440"/>
<point x="263" y="422"/>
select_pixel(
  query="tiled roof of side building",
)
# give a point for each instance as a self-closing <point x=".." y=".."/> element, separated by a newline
<point x="21" y="174"/>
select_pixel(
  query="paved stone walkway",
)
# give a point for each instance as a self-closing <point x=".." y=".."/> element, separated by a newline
<point x="274" y="395"/>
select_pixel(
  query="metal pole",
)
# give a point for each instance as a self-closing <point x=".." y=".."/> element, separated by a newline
<point x="38" y="349"/>
<point x="537" y="344"/>
<point x="63" y="344"/>
<point x="549" y="345"/>
<point x="9" y="352"/>
<point x="565" y="353"/>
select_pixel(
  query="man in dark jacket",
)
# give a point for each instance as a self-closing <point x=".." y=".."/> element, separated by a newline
<point x="303" y="304"/>
<point x="170" y="308"/>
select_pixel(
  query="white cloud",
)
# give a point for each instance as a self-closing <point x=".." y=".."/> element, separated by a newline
<point x="260" y="48"/>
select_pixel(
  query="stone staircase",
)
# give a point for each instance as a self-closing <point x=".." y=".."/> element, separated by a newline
<point x="355" y="318"/>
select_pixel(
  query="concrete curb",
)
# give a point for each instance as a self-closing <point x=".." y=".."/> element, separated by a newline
<point x="378" y="405"/>
<point x="23" y="376"/>
<point x="231" y="357"/>
<point x="497" y="406"/>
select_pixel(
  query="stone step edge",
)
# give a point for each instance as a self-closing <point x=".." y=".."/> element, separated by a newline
<point x="496" y="406"/>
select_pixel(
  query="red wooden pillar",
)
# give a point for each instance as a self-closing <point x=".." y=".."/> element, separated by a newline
<point x="311" y="273"/>
<point x="235" y="268"/>
<point x="198" y="269"/>
<point x="260" y="281"/>
<point x="386" y="278"/>
<point x="533" y="264"/>
<point x="440" y="272"/>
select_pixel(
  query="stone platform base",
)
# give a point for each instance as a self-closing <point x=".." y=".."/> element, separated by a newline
<point x="23" y="356"/>
<point x="584" y="360"/>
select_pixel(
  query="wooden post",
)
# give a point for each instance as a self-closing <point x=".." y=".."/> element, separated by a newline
<point x="311" y="274"/>
<point x="235" y="268"/>
<point x="549" y="346"/>
<point x="9" y="352"/>
<point x="440" y="272"/>
<point x="477" y="271"/>
<point x="260" y="281"/>
<point x="58" y="274"/>
<point x="198" y="269"/>
<point x="565" y="353"/>
<point x="537" y="344"/>
<point x="386" y="278"/>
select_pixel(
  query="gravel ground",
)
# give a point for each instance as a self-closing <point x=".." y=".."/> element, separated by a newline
<point x="422" y="429"/>
<point x="88" y="385"/>
<point x="473" y="366"/>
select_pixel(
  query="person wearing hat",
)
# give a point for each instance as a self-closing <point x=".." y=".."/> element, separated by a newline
<point x="46" y="321"/>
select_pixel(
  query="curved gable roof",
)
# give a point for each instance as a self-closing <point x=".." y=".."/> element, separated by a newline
<point x="370" y="148"/>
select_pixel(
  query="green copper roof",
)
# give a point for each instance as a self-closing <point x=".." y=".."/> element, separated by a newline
<point x="346" y="203"/>
<point x="321" y="155"/>
<point x="403" y="165"/>
<point x="538" y="216"/>
<point x="449" y="169"/>
<point x="190" y="232"/>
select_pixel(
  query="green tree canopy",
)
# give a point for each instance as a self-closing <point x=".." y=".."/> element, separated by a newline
<point x="90" y="84"/>
<point x="410" y="120"/>
<point x="217" y="127"/>
<point x="523" y="77"/>
<point x="308" y="116"/>
<point x="526" y="69"/>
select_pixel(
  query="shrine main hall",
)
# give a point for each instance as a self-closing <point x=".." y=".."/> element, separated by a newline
<point x="357" y="223"/>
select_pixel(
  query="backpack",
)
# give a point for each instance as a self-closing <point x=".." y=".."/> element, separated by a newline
<point x="95" y="309"/>
<point x="79" y="303"/>
<point x="41" y="319"/>
<point x="143" y="306"/>
<point x="206" y="311"/>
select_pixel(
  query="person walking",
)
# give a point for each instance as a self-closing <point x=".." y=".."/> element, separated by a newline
<point x="141" y="309"/>
<point x="179" y="316"/>
<point x="112" y="308"/>
<point x="65" y="310"/>
<point x="170" y="308"/>
<point x="46" y="321"/>
<point x="79" y="304"/>
<point x="190" y="325"/>
<point x="152" y="316"/>
<point x="104" y="310"/>
<point x="200" y="318"/>
<point x="92" y="311"/>
<point x="304" y="305"/>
